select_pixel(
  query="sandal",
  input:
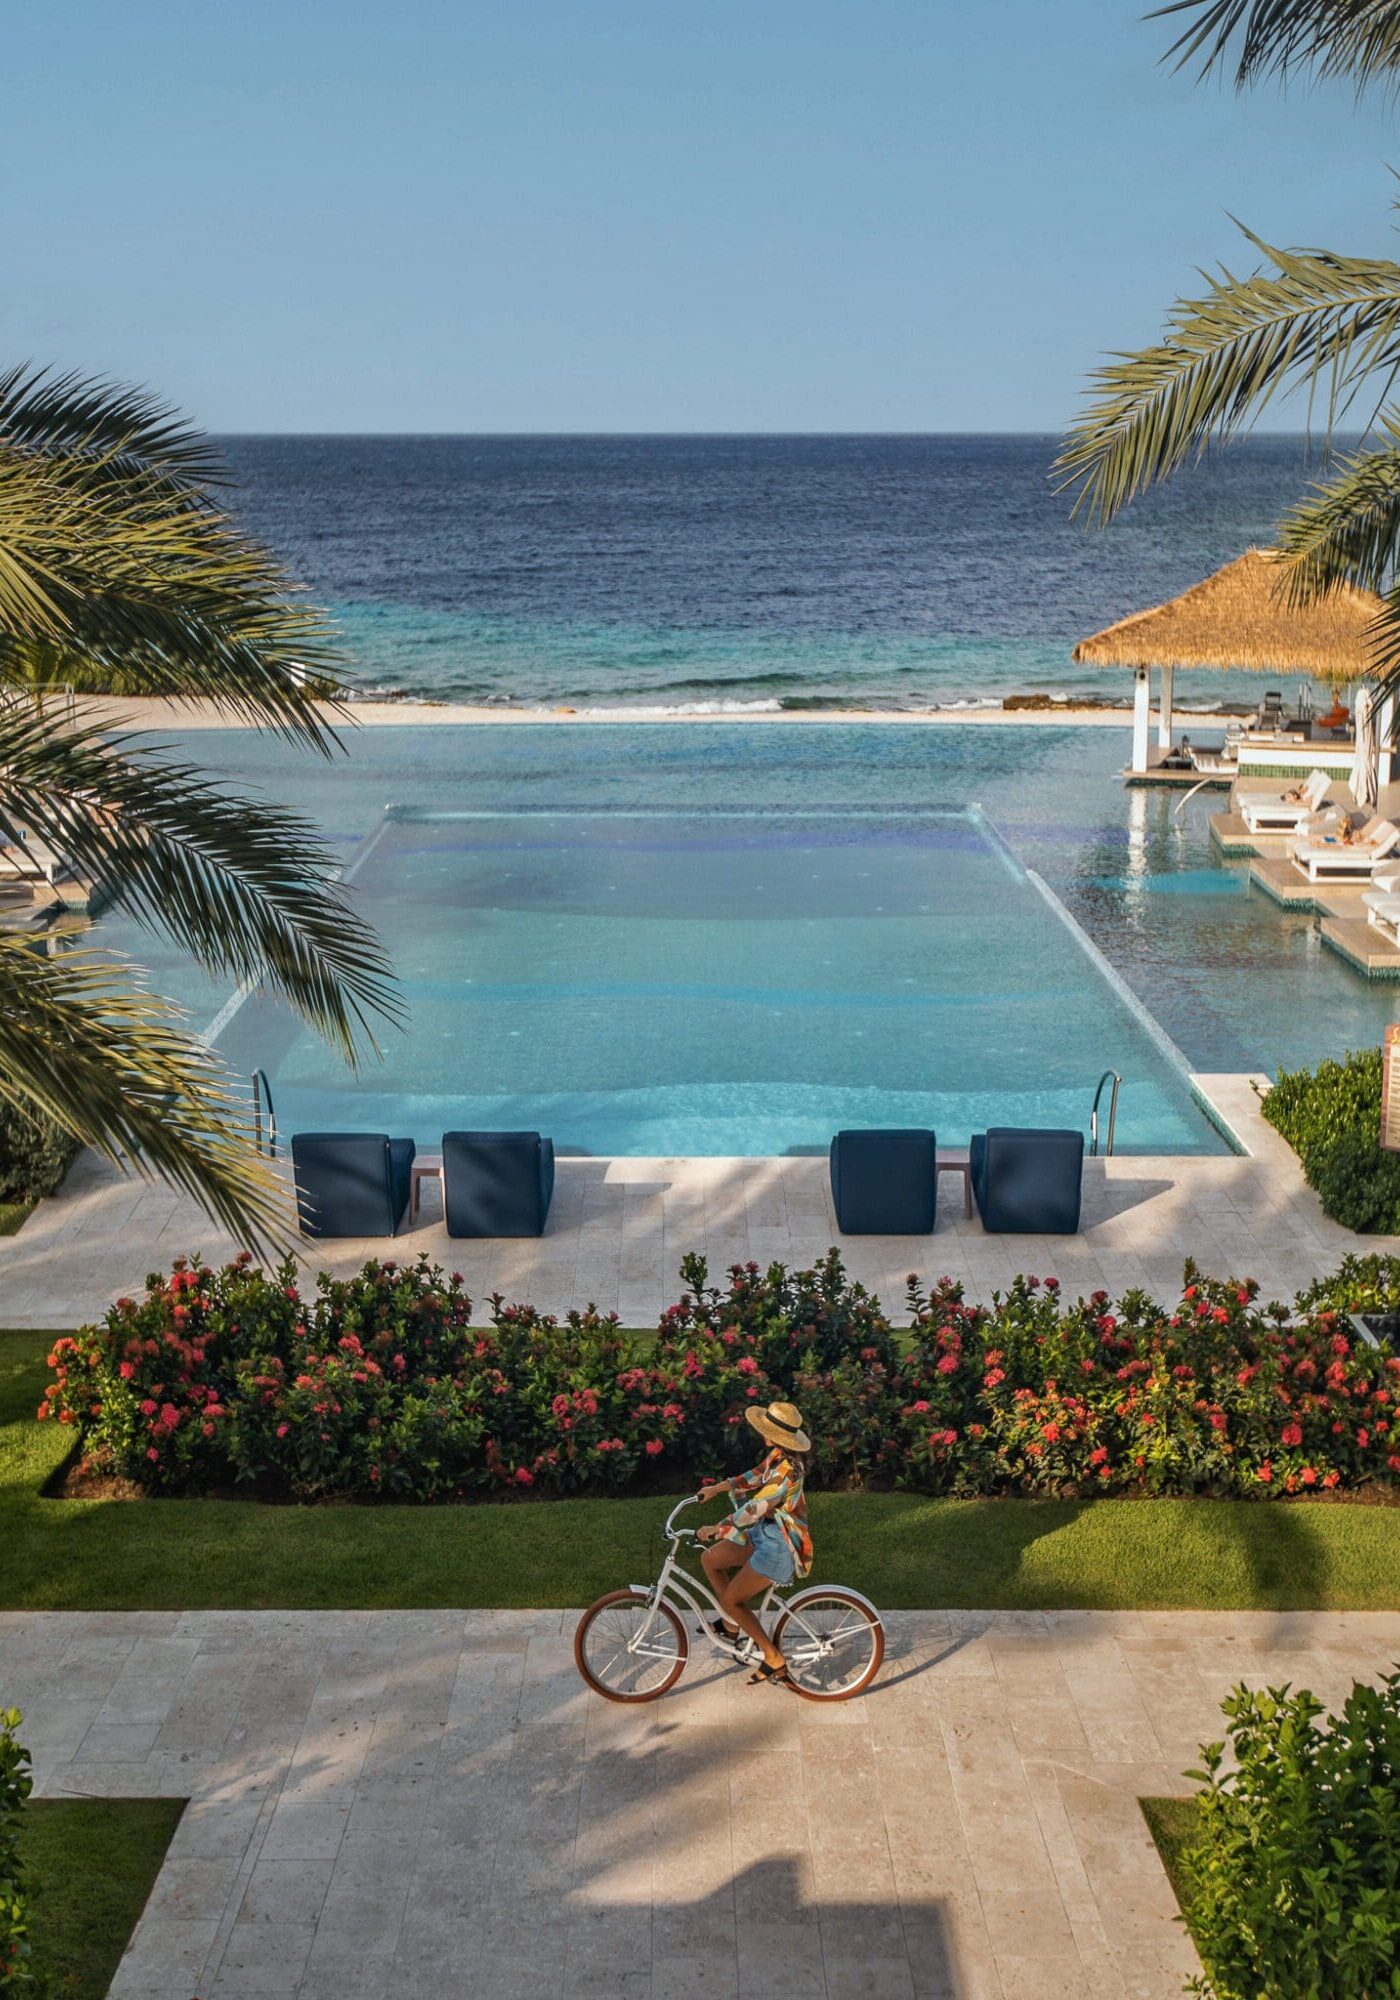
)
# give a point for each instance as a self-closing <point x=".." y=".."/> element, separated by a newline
<point x="723" y="1633"/>
<point x="778" y="1676"/>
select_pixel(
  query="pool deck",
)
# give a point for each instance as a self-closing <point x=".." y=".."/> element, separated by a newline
<point x="1339" y="906"/>
<point x="619" y="1228"/>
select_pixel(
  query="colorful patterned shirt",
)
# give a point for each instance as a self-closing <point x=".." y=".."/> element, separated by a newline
<point x="772" y="1491"/>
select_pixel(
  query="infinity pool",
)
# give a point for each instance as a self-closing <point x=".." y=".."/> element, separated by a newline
<point x="718" y="937"/>
<point x="727" y="982"/>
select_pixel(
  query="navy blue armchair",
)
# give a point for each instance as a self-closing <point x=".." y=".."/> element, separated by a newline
<point x="496" y="1183"/>
<point x="1027" y="1181"/>
<point x="884" y="1183"/>
<point x="350" y="1183"/>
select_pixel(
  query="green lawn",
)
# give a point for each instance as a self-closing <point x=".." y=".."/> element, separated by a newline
<point x="13" y="1215"/>
<point x="902" y="1550"/>
<point x="91" y="1863"/>
<point x="1172" y="1824"/>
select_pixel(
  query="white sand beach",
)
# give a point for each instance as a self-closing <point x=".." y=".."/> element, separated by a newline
<point x="155" y="713"/>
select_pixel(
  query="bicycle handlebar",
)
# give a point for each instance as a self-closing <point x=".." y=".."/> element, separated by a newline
<point x="690" y="1500"/>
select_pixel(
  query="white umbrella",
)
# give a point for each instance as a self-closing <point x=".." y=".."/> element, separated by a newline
<point x="1365" y="778"/>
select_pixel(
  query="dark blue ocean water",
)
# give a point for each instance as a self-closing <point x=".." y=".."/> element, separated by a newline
<point x="734" y="572"/>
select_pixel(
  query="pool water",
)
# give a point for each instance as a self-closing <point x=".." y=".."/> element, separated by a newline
<point x="724" y="938"/>
<point x="717" y="983"/>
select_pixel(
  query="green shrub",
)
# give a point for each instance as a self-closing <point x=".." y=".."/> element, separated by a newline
<point x="35" y="1154"/>
<point x="1293" y="1878"/>
<point x="1331" y="1117"/>
<point x="1358" y="1285"/>
<point x="17" y="1975"/>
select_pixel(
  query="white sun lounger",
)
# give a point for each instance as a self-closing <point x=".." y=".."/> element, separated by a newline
<point x="1271" y="812"/>
<point x="1332" y="861"/>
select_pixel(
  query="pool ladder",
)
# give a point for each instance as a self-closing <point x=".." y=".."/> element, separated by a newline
<point x="265" y="1114"/>
<point x="1109" y="1076"/>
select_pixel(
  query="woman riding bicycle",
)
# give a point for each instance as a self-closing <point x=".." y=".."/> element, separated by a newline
<point x="766" y="1540"/>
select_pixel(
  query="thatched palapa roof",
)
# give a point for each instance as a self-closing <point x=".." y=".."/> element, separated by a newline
<point x="1241" y="618"/>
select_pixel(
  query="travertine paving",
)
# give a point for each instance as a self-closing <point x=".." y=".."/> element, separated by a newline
<point x="619" y="1228"/>
<point x="405" y="1803"/>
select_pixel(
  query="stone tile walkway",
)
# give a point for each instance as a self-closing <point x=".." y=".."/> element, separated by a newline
<point x="404" y="1803"/>
<point x="619" y="1228"/>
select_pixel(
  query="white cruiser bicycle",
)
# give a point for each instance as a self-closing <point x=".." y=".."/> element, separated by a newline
<point x="632" y="1645"/>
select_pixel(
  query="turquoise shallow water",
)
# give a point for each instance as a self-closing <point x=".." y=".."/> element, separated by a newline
<point x="724" y="937"/>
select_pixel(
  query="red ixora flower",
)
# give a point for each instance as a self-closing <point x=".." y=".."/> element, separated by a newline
<point x="1292" y="1434"/>
<point x="654" y="1447"/>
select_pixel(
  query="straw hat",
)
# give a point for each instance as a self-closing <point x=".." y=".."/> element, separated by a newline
<point x="781" y="1424"/>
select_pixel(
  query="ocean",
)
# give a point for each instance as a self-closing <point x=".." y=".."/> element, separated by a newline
<point x="737" y="574"/>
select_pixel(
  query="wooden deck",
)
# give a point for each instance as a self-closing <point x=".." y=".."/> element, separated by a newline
<point x="1177" y="780"/>
<point x="1231" y="836"/>
<point x="1283" y="883"/>
<point x="1362" y="946"/>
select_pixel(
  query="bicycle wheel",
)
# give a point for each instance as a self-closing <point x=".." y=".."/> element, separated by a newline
<point x="628" y="1649"/>
<point x="833" y="1643"/>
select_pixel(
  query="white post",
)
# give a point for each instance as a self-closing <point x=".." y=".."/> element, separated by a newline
<point x="1142" y="702"/>
<point x="1164" y="719"/>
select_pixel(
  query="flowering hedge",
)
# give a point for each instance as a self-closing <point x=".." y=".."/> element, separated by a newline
<point x="380" y="1385"/>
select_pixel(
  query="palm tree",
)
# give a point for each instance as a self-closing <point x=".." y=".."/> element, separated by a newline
<point x="118" y="567"/>
<point x="1305" y="319"/>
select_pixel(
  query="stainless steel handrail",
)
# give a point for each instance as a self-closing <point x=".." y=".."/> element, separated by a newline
<point x="1109" y="1074"/>
<point x="262" y="1094"/>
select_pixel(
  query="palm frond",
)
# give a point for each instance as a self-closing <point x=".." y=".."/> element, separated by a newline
<point x="1348" y="529"/>
<point x="112" y="1065"/>
<point x="1356" y="38"/>
<point x="1326" y="322"/>
<point x="247" y="887"/>
<point x="134" y="572"/>
<point x="71" y="413"/>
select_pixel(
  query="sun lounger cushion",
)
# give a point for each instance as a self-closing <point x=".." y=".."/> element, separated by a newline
<point x="350" y="1183"/>
<point x="1259" y="808"/>
<point x="885" y="1183"/>
<point x="1363" y="855"/>
<point x="1028" y="1181"/>
<point x="496" y="1183"/>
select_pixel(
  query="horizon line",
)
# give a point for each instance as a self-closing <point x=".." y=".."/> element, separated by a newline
<point x="1303" y="436"/>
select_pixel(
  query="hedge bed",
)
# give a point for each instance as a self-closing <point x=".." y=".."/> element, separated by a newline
<point x="907" y="1551"/>
<point x="1331" y="1117"/>
<point x="1287" y="1863"/>
<point x="380" y="1386"/>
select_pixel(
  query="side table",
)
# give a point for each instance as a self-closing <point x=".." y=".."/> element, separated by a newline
<point x="426" y="1167"/>
<point x="957" y="1160"/>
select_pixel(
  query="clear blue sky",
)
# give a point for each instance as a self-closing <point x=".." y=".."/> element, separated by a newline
<point x="634" y="214"/>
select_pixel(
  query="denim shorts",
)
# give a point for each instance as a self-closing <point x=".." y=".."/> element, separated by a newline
<point x="770" y="1554"/>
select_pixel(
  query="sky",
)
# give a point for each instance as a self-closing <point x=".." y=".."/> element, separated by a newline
<point x="637" y="215"/>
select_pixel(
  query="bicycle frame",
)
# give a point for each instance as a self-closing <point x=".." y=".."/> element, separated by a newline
<point x="690" y="1596"/>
